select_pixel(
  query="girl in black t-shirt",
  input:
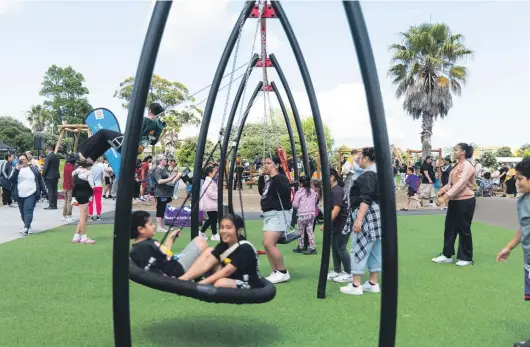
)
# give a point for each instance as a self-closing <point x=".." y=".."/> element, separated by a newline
<point x="234" y="260"/>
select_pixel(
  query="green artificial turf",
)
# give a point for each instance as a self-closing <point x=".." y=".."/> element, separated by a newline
<point x="55" y="293"/>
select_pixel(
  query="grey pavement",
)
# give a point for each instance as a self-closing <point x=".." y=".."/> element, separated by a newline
<point x="11" y="223"/>
<point x="495" y="211"/>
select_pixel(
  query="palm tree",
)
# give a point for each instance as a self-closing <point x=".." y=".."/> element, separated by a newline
<point x="424" y="69"/>
<point x="38" y="117"/>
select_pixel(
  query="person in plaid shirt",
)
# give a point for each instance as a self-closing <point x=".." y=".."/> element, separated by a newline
<point x="366" y="218"/>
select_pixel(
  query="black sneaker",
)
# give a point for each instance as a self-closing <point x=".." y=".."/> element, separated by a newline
<point x="298" y="250"/>
<point x="310" y="251"/>
<point x="522" y="344"/>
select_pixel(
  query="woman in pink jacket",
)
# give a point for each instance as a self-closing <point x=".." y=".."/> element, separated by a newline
<point x="459" y="195"/>
<point x="208" y="202"/>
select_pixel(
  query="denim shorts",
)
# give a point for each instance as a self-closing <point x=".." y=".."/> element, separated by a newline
<point x="372" y="259"/>
<point x="275" y="220"/>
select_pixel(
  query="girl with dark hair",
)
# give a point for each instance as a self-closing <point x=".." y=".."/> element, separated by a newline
<point x="367" y="232"/>
<point x="305" y="201"/>
<point x="339" y="240"/>
<point x="234" y="259"/>
<point x="276" y="206"/>
<point x="208" y="202"/>
<point x="145" y="249"/>
<point x="82" y="195"/>
<point x="459" y="196"/>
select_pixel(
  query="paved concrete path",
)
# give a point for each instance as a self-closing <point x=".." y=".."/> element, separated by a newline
<point x="495" y="211"/>
<point x="11" y="223"/>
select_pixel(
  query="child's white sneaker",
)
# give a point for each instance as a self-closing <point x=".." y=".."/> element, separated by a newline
<point x="372" y="288"/>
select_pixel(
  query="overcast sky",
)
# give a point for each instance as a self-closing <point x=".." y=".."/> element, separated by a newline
<point x="103" y="40"/>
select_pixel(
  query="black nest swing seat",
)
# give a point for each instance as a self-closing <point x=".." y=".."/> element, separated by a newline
<point x="202" y="292"/>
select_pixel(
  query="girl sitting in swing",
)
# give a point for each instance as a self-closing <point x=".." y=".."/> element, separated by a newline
<point x="234" y="261"/>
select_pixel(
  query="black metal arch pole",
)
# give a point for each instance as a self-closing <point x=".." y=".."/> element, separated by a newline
<point x="236" y="145"/>
<point x="289" y="130"/>
<point x="319" y="128"/>
<point x="228" y="132"/>
<point x="292" y="142"/>
<point x="296" y="115"/>
<point x="142" y="81"/>
<point x="389" y="296"/>
<point x="208" y="110"/>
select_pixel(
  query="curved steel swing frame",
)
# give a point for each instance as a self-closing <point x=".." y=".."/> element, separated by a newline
<point x="144" y="73"/>
<point x="237" y="139"/>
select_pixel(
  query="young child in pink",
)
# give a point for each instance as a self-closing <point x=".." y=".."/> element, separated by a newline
<point x="305" y="201"/>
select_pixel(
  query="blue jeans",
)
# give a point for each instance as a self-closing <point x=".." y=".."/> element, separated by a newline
<point x="26" y="207"/>
<point x="372" y="260"/>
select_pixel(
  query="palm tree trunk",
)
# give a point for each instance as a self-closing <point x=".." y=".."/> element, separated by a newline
<point x="427" y="122"/>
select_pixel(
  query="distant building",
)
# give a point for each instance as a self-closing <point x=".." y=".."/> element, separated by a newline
<point x="490" y="149"/>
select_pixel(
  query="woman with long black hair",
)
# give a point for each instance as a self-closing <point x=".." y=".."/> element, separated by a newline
<point x="276" y="206"/>
<point x="459" y="196"/>
<point x="341" y="259"/>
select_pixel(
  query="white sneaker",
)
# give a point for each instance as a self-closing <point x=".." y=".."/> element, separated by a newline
<point x="278" y="277"/>
<point x="24" y="231"/>
<point x="29" y="231"/>
<point x="464" y="263"/>
<point x="203" y="235"/>
<point x="343" y="278"/>
<point x="63" y="219"/>
<point x="372" y="288"/>
<point x="215" y="237"/>
<point x="351" y="290"/>
<point x="332" y="275"/>
<point x="432" y="205"/>
<point x="442" y="259"/>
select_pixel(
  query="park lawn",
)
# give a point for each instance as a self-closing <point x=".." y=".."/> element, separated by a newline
<point x="55" y="293"/>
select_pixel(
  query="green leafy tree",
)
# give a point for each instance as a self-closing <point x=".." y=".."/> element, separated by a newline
<point x="488" y="159"/>
<point x="504" y="152"/>
<point x="66" y="96"/>
<point x="39" y="118"/>
<point x="185" y="153"/>
<point x="424" y="69"/>
<point x="176" y="100"/>
<point x="524" y="148"/>
<point x="15" y="134"/>
<point x="525" y="154"/>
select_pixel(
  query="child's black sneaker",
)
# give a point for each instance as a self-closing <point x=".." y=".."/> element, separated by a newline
<point x="522" y="344"/>
<point x="310" y="251"/>
<point x="298" y="250"/>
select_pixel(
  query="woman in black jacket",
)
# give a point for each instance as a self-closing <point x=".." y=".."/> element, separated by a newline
<point x="366" y="219"/>
<point x="277" y="213"/>
<point x="27" y="186"/>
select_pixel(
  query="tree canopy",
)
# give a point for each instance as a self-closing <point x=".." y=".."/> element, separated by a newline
<point x="488" y="159"/>
<point x="426" y="73"/>
<point x="504" y="152"/>
<point x="15" y="134"/>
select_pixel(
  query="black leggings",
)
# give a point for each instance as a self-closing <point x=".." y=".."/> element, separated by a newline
<point x="96" y="145"/>
<point x="161" y="204"/>
<point x="339" y="253"/>
<point x="211" y="222"/>
<point x="458" y="222"/>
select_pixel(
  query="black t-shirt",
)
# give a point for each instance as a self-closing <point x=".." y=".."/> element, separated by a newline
<point x="501" y="171"/>
<point x="277" y="185"/>
<point x="430" y="169"/>
<point x="244" y="259"/>
<point x="446" y="171"/>
<point x="165" y="262"/>
<point x="339" y="199"/>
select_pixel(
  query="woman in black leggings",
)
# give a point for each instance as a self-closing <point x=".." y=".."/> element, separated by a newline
<point x="163" y="189"/>
<point x="208" y="202"/>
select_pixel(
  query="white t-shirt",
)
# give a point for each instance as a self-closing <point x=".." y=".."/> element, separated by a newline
<point x="84" y="174"/>
<point x="98" y="171"/>
<point x="26" y="182"/>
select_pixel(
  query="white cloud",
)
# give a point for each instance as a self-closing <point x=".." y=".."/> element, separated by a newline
<point x="9" y="6"/>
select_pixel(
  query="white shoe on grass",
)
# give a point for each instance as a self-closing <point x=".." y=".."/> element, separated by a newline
<point x="464" y="263"/>
<point x="343" y="278"/>
<point x="351" y="290"/>
<point x="215" y="237"/>
<point x="372" y="288"/>
<point x="278" y="277"/>
<point x="442" y="259"/>
<point x="332" y="275"/>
